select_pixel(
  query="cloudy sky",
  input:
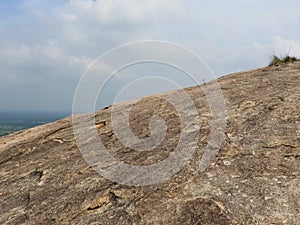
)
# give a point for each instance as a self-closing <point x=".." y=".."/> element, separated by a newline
<point x="46" y="45"/>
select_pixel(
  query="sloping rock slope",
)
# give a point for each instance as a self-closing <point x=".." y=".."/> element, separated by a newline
<point x="255" y="178"/>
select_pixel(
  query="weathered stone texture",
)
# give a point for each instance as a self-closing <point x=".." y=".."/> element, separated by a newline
<point x="255" y="178"/>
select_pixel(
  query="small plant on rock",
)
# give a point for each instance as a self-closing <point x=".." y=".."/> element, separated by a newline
<point x="277" y="60"/>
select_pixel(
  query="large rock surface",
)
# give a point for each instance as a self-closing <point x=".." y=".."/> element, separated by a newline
<point x="255" y="178"/>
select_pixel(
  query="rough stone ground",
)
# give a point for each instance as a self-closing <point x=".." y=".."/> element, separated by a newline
<point x="255" y="179"/>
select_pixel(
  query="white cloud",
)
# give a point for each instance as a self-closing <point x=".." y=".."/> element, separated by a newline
<point x="15" y="54"/>
<point x="129" y="11"/>
<point x="70" y="17"/>
<point x="284" y="47"/>
<point x="49" y="53"/>
<point x="18" y="55"/>
<point x="80" y="60"/>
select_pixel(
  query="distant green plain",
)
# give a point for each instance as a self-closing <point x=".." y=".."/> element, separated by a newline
<point x="7" y="129"/>
<point x="14" y="121"/>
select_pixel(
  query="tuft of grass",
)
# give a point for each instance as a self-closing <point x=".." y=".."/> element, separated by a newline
<point x="289" y="59"/>
<point x="277" y="60"/>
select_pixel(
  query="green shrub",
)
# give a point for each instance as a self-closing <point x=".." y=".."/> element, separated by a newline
<point x="277" y="60"/>
<point x="289" y="59"/>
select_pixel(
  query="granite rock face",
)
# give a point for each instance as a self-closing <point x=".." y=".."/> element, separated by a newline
<point x="255" y="178"/>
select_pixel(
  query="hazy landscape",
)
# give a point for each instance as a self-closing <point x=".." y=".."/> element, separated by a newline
<point x="12" y="121"/>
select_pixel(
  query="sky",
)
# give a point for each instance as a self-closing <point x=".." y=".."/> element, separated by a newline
<point x="46" y="46"/>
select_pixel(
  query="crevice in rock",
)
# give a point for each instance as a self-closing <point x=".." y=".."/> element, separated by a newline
<point x="288" y="145"/>
<point x="93" y="207"/>
<point x="37" y="173"/>
<point x="57" y="130"/>
<point x="113" y="197"/>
